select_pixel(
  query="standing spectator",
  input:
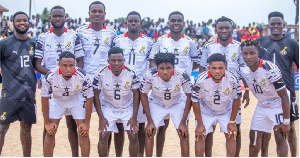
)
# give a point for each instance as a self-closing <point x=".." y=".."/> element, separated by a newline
<point x="198" y="31"/>
<point x="297" y="11"/>
<point x="10" y="26"/>
<point x="33" y="20"/>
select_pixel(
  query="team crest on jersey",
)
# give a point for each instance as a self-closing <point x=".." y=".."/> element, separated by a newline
<point x="3" y="117"/>
<point x="283" y="51"/>
<point x="227" y="91"/>
<point x="106" y="41"/>
<point x="185" y="50"/>
<point x="31" y="51"/>
<point x="127" y="85"/>
<point x="177" y="87"/>
<point x="142" y="50"/>
<point x="68" y="46"/>
<point x="77" y="88"/>
<point x="263" y="82"/>
<point x="233" y="57"/>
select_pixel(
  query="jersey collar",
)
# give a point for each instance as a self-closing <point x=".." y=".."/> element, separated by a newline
<point x="209" y="76"/>
<point x="169" y="35"/>
<point x="159" y="75"/>
<point x="218" y="40"/>
<point x="126" y="34"/>
<point x="109" y="67"/>
<point x="51" y="30"/>
<point x="260" y="63"/>
<point x="104" y="26"/>
<point x="59" y="72"/>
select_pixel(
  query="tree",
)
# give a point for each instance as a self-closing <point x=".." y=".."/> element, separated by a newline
<point x="46" y="14"/>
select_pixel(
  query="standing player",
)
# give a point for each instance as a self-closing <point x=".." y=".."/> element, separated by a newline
<point x="136" y="47"/>
<point x="96" y="39"/>
<point x="168" y="85"/>
<point x="272" y="111"/>
<point x="219" y="93"/>
<point x="282" y="52"/>
<point x="48" y="47"/>
<point x="120" y="101"/>
<point x="19" y="82"/>
<point x="71" y="90"/>
<point x="224" y="44"/>
<point x="186" y="57"/>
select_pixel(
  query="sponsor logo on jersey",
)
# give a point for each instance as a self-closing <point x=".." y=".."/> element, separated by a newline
<point x="233" y="57"/>
<point x="166" y="49"/>
<point x="185" y="50"/>
<point x="77" y="88"/>
<point x="177" y="87"/>
<point x="55" y="86"/>
<point x="48" y="45"/>
<point x="87" y="39"/>
<point x="205" y="90"/>
<point x="227" y="91"/>
<point x="142" y="50"/>
<point x="68" y="46"/>
<point x="106" y="41"/>
<point x="3" y="116"/>
<point x="126" y="86"/>
<point x="107" y="84"/>
<point x="156" y="88"/>
<point x="31" y="51"/>
<point x="263" y="82"/>
<point x="283" y="51"/>
<point x="15" y="52"/>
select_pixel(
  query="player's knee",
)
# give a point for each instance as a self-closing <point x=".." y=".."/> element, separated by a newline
<point x="133" y="137"/>
<point x="103" y="138"/>
<point x="26" y="130"/>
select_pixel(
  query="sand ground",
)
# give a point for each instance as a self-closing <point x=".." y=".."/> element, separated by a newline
<point x="13" y="148"/>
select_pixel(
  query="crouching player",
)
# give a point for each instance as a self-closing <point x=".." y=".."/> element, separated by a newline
<point x="67" y="87"/>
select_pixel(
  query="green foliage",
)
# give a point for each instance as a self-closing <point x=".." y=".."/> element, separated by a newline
<point x="121" y="19"/>
<point x="46" y="14"/>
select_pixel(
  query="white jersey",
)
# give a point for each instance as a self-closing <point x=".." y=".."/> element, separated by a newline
<point x="264" y="82"/>
<point x="136" y="52"/>
<point x="49" y="46"/>
<point x="232" y="52"/>
<point x="117" y="90"/>
<point x="54" y="85"/>
<point x="185" y="51"/>
<point x="166" y="94"/>
<point x="96" y="45"/>
<point x="216" y="98"/>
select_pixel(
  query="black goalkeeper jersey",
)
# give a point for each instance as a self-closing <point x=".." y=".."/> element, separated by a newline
<point x="282" y="52"/>
<point x="19" y="79"/>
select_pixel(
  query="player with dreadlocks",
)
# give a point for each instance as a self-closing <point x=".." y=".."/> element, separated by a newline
<point x="170" y="95"/>
<point x="272" y="111"/>
<point x="229" y="47"/>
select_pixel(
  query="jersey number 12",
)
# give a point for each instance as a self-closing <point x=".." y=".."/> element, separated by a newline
<point x="24" y="61"/>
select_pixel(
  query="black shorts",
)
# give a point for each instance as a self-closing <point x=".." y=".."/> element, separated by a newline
<point x="294" y="112"/>
<point x="15" y="110"/>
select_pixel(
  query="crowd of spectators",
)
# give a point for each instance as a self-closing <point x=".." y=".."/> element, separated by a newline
<point x="201" y="32"/>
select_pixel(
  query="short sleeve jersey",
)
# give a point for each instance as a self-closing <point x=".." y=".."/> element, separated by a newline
<point x="62" y="90"/>
<point x="232" y="52"/>
<point x="264" y="82"/>
<point x="49" y="46"/>
<point x="96" y="45"/>
<point x="18" y="76"/>
<point x="136" y="52"/>
<point x="117" y="90"/>
<point x="285" y="52"/>
<point x="166" y="94"/>
<point x="216" y="98"/>
<point x="185" y="51"/>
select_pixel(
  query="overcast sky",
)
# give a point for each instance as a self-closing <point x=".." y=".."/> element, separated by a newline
<point x="240" y="11"/>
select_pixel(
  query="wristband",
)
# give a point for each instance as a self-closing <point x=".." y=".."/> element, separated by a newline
<point x="286" y="121"/>
<point x="231" y="121"/>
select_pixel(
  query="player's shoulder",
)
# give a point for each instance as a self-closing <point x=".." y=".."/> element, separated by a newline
<point x="81" y="28"/>
<point x="80" y="72"/>
<point x="181" y="72"/>
<point x="146" y="37"/>
<point x="110" y="29"/>
<point x="208" y="44"/>
<point x="102" y="69"/>
<point x="268" y="66"/>
<point x="151" y="72"/>
<point x="162" y="38"/>
<point x="191" y="40"/>
<point x="235" y="42"/>
<point x="202" y="76"/>
<point x="51" y="73"/>
<point x="130" y="69"/>
<point x="261" y="39"/>
<point x="290" y="41"/>
<point x="119" y="37"/>
<point x="231" y="76"/>
<point x="44" y="34"/>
